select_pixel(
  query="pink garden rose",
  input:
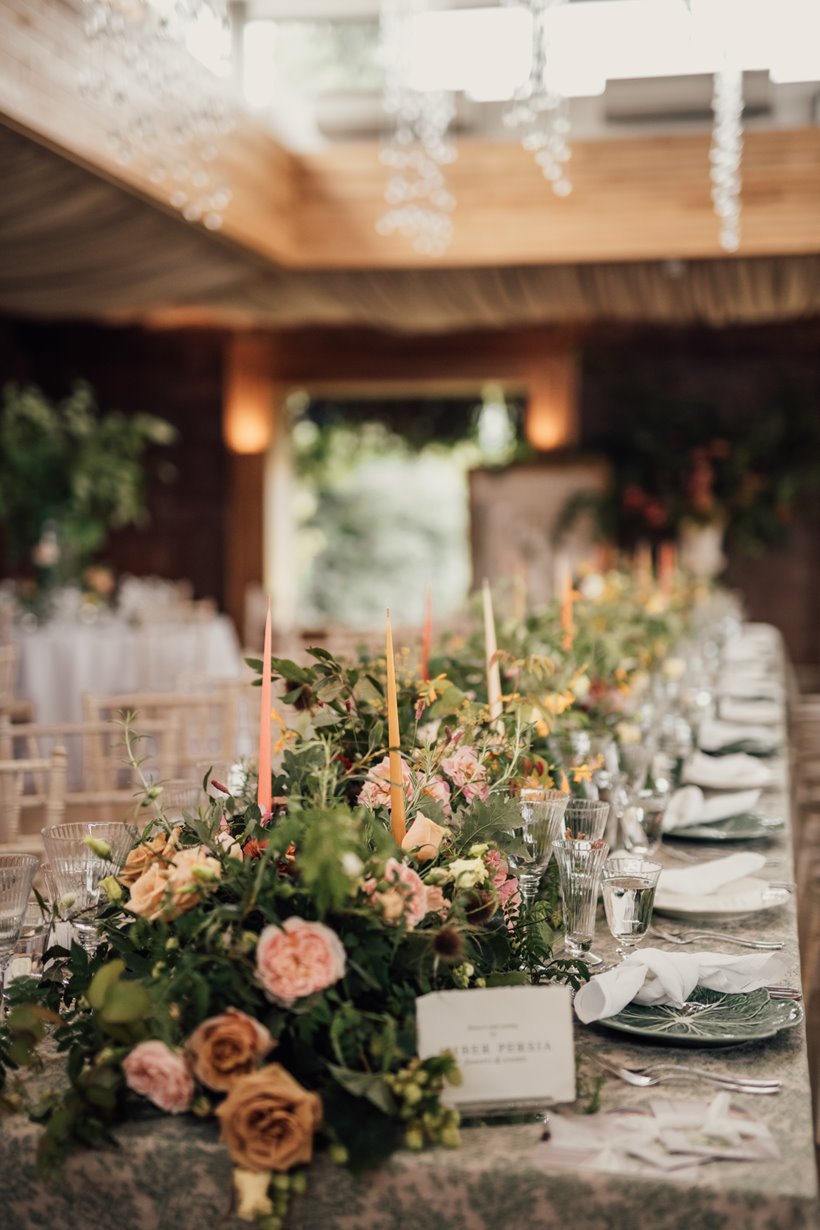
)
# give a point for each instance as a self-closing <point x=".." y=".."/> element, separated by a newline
<point x="497" y="866"/>
<point x="438" y="789"/>
<point x="161" y="1075"/>
<point x="376" y="790"/>
<point x="437" y="903"/>
<point x="423" y="838"/>
<point x="298" y="959"/>
<point x="464" y="771"/>
<point x="405" y="896"/>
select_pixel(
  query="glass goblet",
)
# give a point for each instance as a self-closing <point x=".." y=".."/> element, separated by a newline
<point x="17" y="872"/>
<point x="541" y="813"/>
<point x="579" y="866"/>
<point x="81" y="855"/>
<point x="585" y="819"/>
<point x="629" y="893"/>
<point x="642" y="821"/>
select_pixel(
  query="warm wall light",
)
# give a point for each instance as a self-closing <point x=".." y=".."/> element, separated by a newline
<point x="552" y="398"/>
<point x="248" y="405"/>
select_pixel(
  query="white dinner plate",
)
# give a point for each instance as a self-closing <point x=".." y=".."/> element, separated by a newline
<point x="735" y="900"/>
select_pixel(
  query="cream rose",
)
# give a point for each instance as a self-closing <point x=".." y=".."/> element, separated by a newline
<point x="226" y="1047"/>
<point x="159" y="1074"/>
<point x="298" y="959"/>
<point x="423" y="838"/>
<point x="268" y="1120"/>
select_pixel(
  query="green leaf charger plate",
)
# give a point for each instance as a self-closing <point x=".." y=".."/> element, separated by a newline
<point x="709" y="1018"/>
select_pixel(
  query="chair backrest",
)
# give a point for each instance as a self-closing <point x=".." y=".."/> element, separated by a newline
<point x="8" y="675"/>
<point x="100" y="779"/>
<point x="19" y="785"/>
<point x="202" y="724"/>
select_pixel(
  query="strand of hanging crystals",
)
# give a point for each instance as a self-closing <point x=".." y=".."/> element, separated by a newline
<point x="420" y="205"/>
<point x="170" y="113"/>
<point x="726" y="153"/>
<point x="541" y="114"/>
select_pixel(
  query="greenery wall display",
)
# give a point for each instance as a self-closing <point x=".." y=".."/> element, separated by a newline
<point x="678" y="461"/>
<point x="70" y="474"/>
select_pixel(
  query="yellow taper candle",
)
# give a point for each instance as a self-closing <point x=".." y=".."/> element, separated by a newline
<point x="263" y="794"/>
<point x="397" y="821"/>
<point x="490" y="650"/>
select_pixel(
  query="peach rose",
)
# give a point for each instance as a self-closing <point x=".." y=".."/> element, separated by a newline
<point x="438" y="789"/>
<point x="423" y="838"/>
<point x="403" y="883"/>
<point x="190" y="870"/>
<point x="149" y="892"/>
<point x="225" y="1047"/>
<point x="464" y="771"/>
<point x="298" y="959"/>
<point x="159" y="1074"/>
<point x="267" y="1121"/>
<point x="160" y="849"/>
<point x="376" y="790"/>
<point x="436" y="902"/>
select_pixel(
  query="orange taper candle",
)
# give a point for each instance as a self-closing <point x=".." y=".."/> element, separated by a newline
<point x="567" y="621"/>
<point x="264" y="789"/>
<point x="397" y="821"/>
<point x="491" y="654"/>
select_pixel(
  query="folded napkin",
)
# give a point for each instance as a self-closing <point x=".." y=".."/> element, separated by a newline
<point x="764" y="712"/>
<point x="715" y="734"/>
<point x="704" y="879"/>
<point x="688" y="807"/>
<point x="651" y="976"/>
<point x="725" y="772"/>
<point x="749" y="686"/>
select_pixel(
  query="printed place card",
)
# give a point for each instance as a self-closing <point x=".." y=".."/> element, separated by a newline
<point x="514" y="1045"/>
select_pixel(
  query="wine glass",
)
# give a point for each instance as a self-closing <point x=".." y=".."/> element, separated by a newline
<point x="629" y="893"/>
<point x="642" y="821"/>
<point x="585" y="819"/>
<point x="541" y="813"/>
<point x="82" y="854"/>
<point x="17" y="872"/>
<point x="579" y="866"/>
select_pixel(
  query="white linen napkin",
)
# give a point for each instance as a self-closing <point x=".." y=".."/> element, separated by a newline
<point x="651" y="976"/>
<point x="688" y="807"/>
<point x="749" y="685"/>
<point x="763" y="712"/>
<point x="725" y="772"/>
<point x="715" y="734"/>
<point x="704" y="879"/>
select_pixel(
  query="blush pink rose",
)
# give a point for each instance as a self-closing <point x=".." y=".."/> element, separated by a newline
<point x="497" y="866"/>
<point x="298" y="959"/>
<point x="437" y="903"/>
<point x="161" y="1075"/>
<point x="438" y="789"/>
<point x="467" y="774"/>
<point x="404" y="885"/>
<point x="423" y="838"/>
<point x="376" y="790"/>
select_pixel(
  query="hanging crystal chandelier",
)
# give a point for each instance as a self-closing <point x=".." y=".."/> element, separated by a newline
<point x="537" y="110"/>
<point x="164" y="108"/>
<point x="419" y="203"/>
<point x="725" y="154"/>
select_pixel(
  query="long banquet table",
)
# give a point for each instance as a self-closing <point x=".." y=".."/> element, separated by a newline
<point x="173" y="1175"/>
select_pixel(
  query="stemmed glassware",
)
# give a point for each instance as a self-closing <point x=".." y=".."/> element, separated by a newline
<point x="81" y="855"/>
<point x="17" y="872"/>
<point x="642" y="820"/>
<point x="585" y="819"/>
<point x="629" y="894"/>
<point x="579" y="866"/>
<point x="541" y="813"/>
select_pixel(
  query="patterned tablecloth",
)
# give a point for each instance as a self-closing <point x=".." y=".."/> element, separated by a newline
<point x="173" y="1175"/>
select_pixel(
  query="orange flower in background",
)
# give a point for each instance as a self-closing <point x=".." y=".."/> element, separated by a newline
<point x="581" y="773"/>
<point x="431" y="689"/>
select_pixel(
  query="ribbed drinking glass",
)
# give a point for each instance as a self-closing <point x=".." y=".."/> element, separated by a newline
<point x="17" y="872"/>
<point x="579" y="866"/>
<point x="541" y="813"/>
<point x="585" y="819"/>
<point x="81" y="855"/>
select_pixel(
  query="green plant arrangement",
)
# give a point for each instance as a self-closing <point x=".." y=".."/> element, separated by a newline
<point x="69" y="476"/>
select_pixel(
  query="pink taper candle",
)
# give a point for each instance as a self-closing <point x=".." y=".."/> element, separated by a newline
<point x="426" y="634"/>
<point x="397" y="815"/>
<point x="264" y="790"/>
<point x="491" y="654"/>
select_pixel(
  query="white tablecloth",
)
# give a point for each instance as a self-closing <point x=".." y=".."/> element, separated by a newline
<point x="61" y="661"/>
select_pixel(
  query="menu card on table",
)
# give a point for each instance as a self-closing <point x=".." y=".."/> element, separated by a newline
<point x="514" y="1046"/>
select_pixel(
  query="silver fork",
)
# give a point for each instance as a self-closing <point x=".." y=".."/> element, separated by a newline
<point x="694" y="937"/>
<point x="657" y="1073"/>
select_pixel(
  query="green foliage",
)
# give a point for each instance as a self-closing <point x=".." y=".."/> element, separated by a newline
<point x="66" y="463"/>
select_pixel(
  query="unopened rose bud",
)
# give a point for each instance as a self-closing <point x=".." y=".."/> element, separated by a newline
<point x="412" y="1094"/>
<point x="298" y="1183"/>
<point x="338" y="1154"/>
<point x="414" y="1139"/>
<point x="450" y="1138"/>
<point x="112" y="888"/>
<point x="171" y="943"/>
<point x="97" y="846"/>
<point x="201" y="1107"/>
<point x="205" y="875"/>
